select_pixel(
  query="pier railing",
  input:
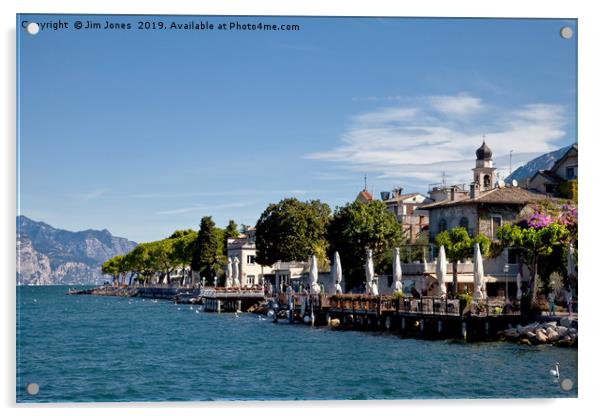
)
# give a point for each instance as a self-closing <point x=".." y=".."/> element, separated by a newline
<point x="426" y="305"/>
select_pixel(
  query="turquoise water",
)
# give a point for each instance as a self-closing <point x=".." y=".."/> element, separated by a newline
<point x="87" y="348"/>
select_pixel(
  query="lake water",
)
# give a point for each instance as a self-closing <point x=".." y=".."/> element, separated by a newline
<point x="88" y="348"/>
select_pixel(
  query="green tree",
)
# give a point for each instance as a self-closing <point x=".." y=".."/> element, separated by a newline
<point x="230" y="232"/>
<point x="292" y="230"/>
<point x="207" y="247"/>
<point x="533" y="243"/>
<point x="111" y="268"/>
<point x="459" y="246"/>
<point x="357" y="227"/>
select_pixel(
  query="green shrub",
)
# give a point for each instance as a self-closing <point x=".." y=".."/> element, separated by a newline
<point x="465" y="296"/>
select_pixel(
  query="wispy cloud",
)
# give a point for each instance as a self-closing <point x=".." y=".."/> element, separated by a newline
<point x="419" y="139"/>
<point x="246" y="192"/>
<point x="93" y="194"/>
<point x="204" y="207"/>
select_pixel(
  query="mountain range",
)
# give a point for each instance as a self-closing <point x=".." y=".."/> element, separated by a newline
<point x="543" y="162"/>
<point x="48" y="255"/>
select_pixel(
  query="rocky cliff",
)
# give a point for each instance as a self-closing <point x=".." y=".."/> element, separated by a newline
<point x="47" y="255"/>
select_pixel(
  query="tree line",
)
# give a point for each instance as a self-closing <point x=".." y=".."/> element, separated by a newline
<point x="203" y="251"/>
<point x="293" y="230"/>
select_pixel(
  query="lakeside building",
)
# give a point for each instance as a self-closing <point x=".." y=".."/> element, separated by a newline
<point x="561" y="178"/>
<point x="485" y="207"/>
<point x="407" y="210"/>
<point x="252" y="274"/>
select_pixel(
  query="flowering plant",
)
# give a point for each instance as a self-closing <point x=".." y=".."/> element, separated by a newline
<point x="539" y="220"/>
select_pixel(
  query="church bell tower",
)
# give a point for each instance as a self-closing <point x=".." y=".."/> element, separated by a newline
<point x="483" y="170"/>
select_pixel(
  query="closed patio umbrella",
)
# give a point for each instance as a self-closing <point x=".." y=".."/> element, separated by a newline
<point x="338" y="273"/>
<point x="478" y="274"/>
<point x="229" y="273"/>
<point x="397" y="286"/>
<point x="235" y="272"/>
<point x="441" y="271"/>
<point x="313" y="276"/>
<point x="369" y="273"/>
<point x="570" y="260"/>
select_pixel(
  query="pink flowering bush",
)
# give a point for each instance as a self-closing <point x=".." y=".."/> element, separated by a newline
<point x="539" y="220"/>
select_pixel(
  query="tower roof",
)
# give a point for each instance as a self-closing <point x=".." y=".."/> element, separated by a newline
<point x="484" y="152"/>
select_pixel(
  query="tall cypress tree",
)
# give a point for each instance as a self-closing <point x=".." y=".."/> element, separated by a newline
<point x="231" y="232"/>
<point x="208" y="246"/>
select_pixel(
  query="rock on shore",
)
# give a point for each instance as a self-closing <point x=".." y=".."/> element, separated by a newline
<point x="563" y="334"/>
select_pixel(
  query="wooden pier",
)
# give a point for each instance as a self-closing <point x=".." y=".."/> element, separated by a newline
<point x="230" y="300"/>
<point x="427" y="317"/>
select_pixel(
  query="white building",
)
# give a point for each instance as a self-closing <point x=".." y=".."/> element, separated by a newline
<point x="243" y="248"/>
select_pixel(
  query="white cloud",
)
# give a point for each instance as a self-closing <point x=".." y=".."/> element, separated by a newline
<point x="93" y="194"/>
<point x="416" y="142"/>
<point x="203" y="207"/>
<point x="459" y="105"/>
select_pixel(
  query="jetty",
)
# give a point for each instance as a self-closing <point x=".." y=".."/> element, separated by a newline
<point x="214" y="299"/>
<point x="425" y="317"/>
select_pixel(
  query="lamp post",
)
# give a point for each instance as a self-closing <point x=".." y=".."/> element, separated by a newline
<point x="215" y="281"/>
<point x="204" y="281"/>
<point x="506" y="269"/>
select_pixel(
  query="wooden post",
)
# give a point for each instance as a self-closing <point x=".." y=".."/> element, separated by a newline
<point x="464" y="331"/>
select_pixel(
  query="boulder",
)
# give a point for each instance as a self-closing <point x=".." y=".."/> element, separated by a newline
<point x="335" y="323"/>
<point x="562" y="331"/>
<point x="530" y="335"/>
<point x="523" y="341"/>
<point x="566" y="322"/>
<point x="511" y="333"/>
<point x="541" y="336"/>
<point x="553" y="336"/>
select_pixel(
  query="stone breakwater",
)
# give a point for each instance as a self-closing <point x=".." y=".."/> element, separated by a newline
<point x="562" y="333"/>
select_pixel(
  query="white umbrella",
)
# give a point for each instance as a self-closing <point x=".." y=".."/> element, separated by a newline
<point x="229" y="273"/>
<point x="375" y="287"/>
<point x="570" y="261"/>
<point x="338" y="273"/>
<point x="441" y="271"/>
<point x="397" y="286"/>
<point x="478" y="274"/>
<point x="313" y="276"/>
<point x="519" y="281"/>
<point x="235" y="274"/>
<point x="369" y="273"/>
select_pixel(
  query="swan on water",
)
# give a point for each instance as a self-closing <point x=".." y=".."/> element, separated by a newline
<point x="556" y="372"/>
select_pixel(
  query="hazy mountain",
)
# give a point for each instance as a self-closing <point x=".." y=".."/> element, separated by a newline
<point x="543" y="162"/>
<point x="48" y="255"/>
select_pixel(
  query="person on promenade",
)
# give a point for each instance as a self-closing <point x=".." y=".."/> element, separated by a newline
<point x="551" y="304"/>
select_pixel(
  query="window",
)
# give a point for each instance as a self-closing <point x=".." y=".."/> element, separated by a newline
<point x="442" y="225"/>
<point x="250" y="259"/>
<point x="486" y="181"/>
<point x="512" y="256"/>
<point x="464" y="223"/>
<point x="571" y="172"/>
<point x="251" y="279"/>
<point x="496" y="222"/>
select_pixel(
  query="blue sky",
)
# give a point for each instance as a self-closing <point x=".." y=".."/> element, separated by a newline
<point x="143" y="132"/>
